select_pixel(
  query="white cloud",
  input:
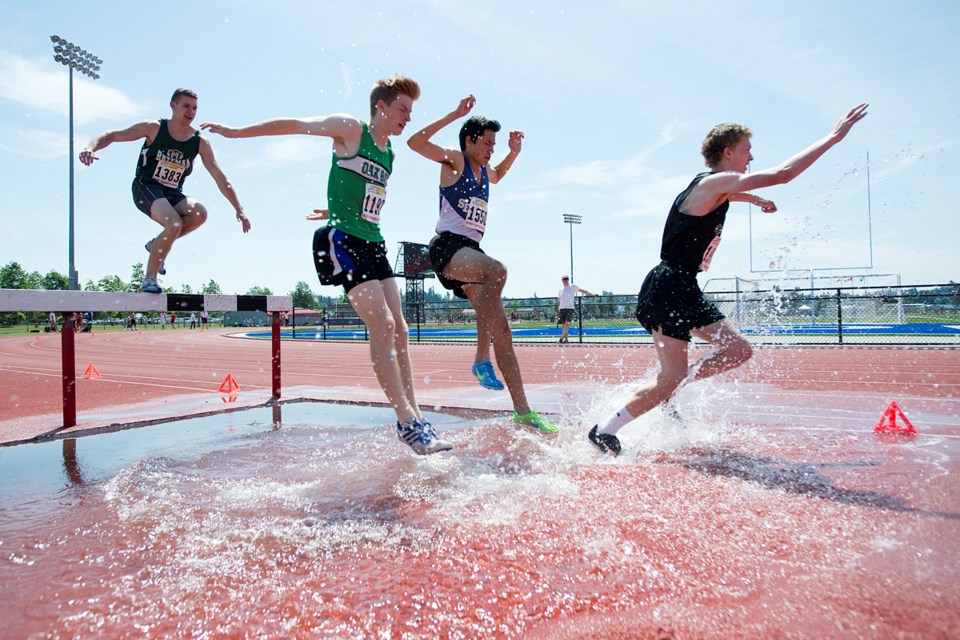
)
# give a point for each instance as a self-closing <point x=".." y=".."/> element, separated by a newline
<point x="620" y="172"/>
<point x="41" y="84"/>
<point x="295" y="150"/>
<point x="34" y="143"/>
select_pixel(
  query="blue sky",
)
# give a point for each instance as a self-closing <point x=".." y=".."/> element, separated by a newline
<point x="614" y="99"/>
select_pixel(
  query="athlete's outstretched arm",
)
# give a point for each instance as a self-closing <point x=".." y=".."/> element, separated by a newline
<point x="339" y="126"/>
<point x="497" y="173"/>
<point x="147" y="129"/>
<point x="420" y="141"/>
<point x="210" y="164"/>
<point x="731" y="182"/>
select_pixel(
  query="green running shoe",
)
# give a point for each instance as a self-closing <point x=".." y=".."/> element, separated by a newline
<point x="535" y="420"/>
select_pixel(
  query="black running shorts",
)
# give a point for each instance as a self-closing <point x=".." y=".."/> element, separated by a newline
<point x="345" y="260"/>
<point x="145" y="193"/>
<point x="442" y="249"/>
<point x="671" y="300"/>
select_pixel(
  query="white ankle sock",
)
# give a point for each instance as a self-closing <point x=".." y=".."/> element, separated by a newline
<point x="616" y="422"/>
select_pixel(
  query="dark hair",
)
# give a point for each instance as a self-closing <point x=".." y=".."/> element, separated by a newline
<point x="179" y="93"/>
<point x="474" y="127"/>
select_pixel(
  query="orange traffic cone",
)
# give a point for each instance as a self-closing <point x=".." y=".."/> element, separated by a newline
<point x="888" y="421"/>
<point x="229" y="384"/>
<point x="91" y="372"/>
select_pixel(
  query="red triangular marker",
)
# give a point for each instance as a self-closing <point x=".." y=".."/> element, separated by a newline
<point x="91" y="372"/>
<point x="888" y="421"/>
<point x="229" y="385"/>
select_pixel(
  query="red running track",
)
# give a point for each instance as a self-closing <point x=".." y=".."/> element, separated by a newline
<point x="791" y="521"/>
<point x="151" y="375"/>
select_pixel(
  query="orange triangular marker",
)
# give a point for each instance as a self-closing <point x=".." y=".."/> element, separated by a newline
<point x="229" y="385"/>
<point x="91" y="372"/>
<point x="888" y="421"/>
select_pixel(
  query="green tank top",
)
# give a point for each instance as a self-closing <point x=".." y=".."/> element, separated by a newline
<point x="357" y="189"/>
<point x="167" y="161"/>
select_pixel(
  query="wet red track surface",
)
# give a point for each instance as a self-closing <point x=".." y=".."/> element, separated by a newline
<point x="774" y="513"/>
<point x="153" y="368"/>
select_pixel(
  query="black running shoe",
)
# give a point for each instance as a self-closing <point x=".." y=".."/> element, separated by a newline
<point x="604" y="442"/>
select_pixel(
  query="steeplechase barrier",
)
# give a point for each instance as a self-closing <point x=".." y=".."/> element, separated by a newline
<point x="70" y="302"/>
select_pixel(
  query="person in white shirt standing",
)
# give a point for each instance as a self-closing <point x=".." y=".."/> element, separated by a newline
<point x="565" y="306"/>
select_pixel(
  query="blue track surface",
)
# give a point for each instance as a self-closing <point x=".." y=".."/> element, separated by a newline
<point x="313" y="333"/>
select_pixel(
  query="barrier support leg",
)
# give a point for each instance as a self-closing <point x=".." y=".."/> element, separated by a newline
<point x="69" y="371"/>
<point x="275" y="343"/>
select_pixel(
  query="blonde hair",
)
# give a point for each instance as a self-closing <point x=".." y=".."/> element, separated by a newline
<point x="721" y="137"/>
<point x="388" y="89"/>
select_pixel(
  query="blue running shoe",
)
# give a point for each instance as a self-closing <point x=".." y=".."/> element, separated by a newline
<point x="486" y="376"/>
<point x="421" y="437"/>
<point x="163" y="269"/>
<point x="150" y="286"/>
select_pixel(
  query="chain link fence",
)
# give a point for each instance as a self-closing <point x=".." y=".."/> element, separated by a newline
<point x="898" y="315"/>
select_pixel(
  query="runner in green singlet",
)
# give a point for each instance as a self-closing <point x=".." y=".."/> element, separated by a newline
<point x="350" y="250"/>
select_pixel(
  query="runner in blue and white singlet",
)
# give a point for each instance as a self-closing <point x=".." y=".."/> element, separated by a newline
<point x="455" y="253"/>
<point x="463" y="206"/>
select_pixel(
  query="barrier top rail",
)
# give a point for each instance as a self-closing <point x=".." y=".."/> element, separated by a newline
<point x="70" y="302"/>
<point x="114" y="301"/>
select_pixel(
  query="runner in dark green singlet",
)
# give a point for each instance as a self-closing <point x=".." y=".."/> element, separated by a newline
<point x="166" y="159"/>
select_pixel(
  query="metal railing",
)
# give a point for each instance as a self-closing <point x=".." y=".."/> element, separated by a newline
<point x="900" y="315"/>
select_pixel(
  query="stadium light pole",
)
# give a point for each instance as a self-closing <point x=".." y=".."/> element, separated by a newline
<point x="571" y="220"/>
<point x="73" y="57"/>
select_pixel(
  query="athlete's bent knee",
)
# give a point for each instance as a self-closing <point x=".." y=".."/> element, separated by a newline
<point x="195" y="216"/>
<point x="497" y="273"/>
<point x="667" y="382"/>
<point x="739" y="352"/>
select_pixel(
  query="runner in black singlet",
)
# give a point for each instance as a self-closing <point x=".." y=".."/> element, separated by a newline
<point x="671" y="305"/>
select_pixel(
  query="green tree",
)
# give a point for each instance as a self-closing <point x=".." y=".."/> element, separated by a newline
<point x="55" y="281"/>
<point x="212" y="288"/>
<point x="186" y="288"/>
<point x="303" y="296"/>
<point x="136" y="277"/>
<point x="111" y="283"/>
<point x="91" y="286"/>
<point x="12" y="276"/>
<point x="259" y="291"/>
